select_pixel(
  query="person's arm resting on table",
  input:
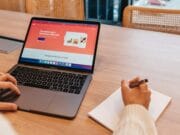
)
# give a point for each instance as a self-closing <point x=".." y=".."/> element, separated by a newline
<point x="135" y="118"/>
<point x="8" y="82"/>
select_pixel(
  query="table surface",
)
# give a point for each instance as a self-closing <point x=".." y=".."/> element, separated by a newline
<point x="122" y="54"/>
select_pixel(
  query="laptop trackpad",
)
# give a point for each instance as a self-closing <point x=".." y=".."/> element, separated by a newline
<point x="34" y="99"/>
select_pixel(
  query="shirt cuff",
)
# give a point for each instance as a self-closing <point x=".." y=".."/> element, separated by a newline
<point x="137" y="116"/>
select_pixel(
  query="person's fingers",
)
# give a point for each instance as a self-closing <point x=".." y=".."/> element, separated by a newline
<point x="1" y="73"/>
<point x="11" y="78"/>
<point x="147" y="94"/>
<point x="124" y="88"/>
<point x="136" y="79"/>
<point x="11" y="86"/>
<point x="8" y="77"/>
<point x="143" y="87"/>
<point x="148" y="99"/>
<point x="8" y="106"/>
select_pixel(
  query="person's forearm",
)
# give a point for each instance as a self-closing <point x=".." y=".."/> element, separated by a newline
<point x="135" y="120"/>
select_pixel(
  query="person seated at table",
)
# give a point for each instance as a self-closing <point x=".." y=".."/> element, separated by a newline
<point x="8" y="82"/>
<point x="135" y="118"/>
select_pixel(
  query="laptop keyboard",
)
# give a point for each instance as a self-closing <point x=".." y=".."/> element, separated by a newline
<point x="51" y="80"/>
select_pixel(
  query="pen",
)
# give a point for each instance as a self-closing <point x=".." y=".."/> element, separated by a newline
<point x="136" y="84"/>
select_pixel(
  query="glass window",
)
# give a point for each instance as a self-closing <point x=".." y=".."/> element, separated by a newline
<point x="166" y="4"/>
<point x="105" y="11"/>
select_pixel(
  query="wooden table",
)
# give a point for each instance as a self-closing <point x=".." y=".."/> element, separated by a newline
<point x="122" y="54"/>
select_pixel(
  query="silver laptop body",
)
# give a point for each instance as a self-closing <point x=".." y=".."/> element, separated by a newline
<point x="79" y="38"/>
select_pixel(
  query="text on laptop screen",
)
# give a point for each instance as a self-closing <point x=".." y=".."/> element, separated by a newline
<point x="61" y="44"/>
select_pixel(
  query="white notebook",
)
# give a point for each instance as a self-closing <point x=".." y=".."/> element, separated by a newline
<point x="108" y="112"/>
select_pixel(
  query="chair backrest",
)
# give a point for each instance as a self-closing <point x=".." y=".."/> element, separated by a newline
<point x="65" y="9"/>
<point x="40" y="7"/>
<point x="162" y="20"/>
<point x="14" y="5"/>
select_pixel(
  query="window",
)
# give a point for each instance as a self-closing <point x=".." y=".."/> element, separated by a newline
<point x="165" y="4"/>
<point x="105" y="11"/>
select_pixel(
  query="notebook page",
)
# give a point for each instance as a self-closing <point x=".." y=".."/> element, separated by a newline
<point x="108" y="112"/>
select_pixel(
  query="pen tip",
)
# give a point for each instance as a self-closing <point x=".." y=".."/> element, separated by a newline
<point x="146" y="80"/>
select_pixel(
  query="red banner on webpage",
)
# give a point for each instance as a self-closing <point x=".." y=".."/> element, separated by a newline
<point x="72" y="38"/>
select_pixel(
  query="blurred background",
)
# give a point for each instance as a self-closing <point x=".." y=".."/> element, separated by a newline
<point x="105" y="11"/>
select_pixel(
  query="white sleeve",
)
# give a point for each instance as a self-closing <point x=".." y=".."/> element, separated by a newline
<point x="135" y="120"/>
<point x="6" y="127"/>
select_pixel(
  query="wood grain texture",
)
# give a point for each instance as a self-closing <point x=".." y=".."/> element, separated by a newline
<point x="122" y="54"/>
<point x="14" y="5"/>
<point x="73" y="9"/>
<point x="65" y="9"/>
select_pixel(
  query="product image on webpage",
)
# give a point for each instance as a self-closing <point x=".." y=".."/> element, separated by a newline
<point x="75" y="39"/>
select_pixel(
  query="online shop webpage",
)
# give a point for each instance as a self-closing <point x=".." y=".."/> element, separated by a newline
<point x="61" y="44"/>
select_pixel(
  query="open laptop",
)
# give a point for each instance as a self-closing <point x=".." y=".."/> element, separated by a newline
<point x="56" y="65"/>
<point x="8" y="45"/>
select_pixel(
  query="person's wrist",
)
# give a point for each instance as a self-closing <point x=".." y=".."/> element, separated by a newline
<point x="143" y="105"/>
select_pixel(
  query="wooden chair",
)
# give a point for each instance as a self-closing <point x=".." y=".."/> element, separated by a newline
<point x="162" y="20"/>
<point x="65" y="9"/>
<point x="14" y="5"/>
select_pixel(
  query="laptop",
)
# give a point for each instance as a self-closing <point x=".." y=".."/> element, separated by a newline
<point x="8" y="45"/>
<point x="55" y="66"/>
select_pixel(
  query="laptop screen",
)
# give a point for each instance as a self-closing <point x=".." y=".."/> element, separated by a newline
<point x="67" y="44"/>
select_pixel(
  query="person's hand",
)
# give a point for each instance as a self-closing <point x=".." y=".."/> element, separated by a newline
<point x="138" y="95"/>
<point x="8" y="82"/>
